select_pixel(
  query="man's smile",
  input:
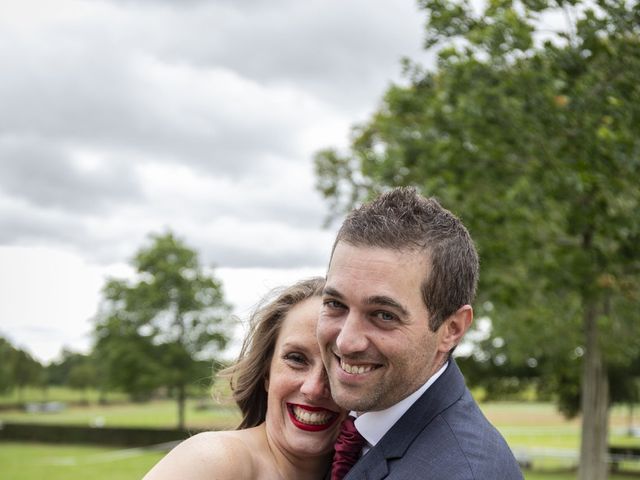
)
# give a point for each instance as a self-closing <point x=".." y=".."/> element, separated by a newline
<point x="356" y="368"/>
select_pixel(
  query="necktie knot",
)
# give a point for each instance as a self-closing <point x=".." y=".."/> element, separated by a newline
<point x="348" y="447"/>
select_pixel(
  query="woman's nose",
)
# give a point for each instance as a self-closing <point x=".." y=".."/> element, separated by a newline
<point x="316" y="384"/>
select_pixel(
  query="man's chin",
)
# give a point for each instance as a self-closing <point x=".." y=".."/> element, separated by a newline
<point x="351" y="401"/>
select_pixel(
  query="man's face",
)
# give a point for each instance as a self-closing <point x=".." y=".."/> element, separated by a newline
<point x="373" y="328"/>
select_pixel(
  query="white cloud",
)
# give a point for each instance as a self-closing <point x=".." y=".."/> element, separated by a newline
<point x="121" y="118"/>
<point x="48" y="297"/>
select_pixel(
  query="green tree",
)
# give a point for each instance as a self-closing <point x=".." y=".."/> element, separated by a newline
<point x="532" y="136"/>
<point x="126" y="359"/>
<point x="7" y="355"/>
<point x="157" y="329"/>
<point x="82" y="373"/>
<point x="27" y="371"/>
<point x="58" y="371"/>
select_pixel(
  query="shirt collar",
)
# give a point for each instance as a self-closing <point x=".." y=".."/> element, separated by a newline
<point x="373" y="425"/>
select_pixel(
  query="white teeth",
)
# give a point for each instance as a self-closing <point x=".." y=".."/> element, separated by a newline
<point x="311" y="418"/>
<point x="355" y="369"/>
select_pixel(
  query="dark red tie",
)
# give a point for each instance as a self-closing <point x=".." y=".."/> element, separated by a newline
<point x="348" y="447"/>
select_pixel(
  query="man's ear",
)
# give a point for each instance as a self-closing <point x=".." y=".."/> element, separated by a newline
<point x="454" y="328"/>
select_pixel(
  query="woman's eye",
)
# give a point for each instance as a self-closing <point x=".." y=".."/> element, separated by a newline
<point x="295" y="358"/>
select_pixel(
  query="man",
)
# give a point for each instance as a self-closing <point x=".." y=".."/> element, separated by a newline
<point x="402" y="276"/>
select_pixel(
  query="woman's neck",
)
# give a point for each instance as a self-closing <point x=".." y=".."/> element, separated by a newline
<point x="294" y="467"/>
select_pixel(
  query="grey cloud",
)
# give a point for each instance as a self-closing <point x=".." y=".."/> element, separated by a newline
<point x="288" y="200"/>
<point x="91" y="82"/>
<point x="233" y="257"/>
<point x="102" y="98"/>
<point x="24" y="225"/>
<point x="43" y="173"/>
<point x="270" y="251"/>
<point x="342" y="51"/>
<point x="199" y="116"/>
<point x="232" y="89"/>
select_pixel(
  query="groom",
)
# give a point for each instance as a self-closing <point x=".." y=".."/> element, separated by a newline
<point x="402" y="276"/>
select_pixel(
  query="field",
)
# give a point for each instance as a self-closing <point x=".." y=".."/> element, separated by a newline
<point x="532" y="429"/>
<point x="32" y="461"/>
<point x="37" y="461"/>
<point x="163" y="413"/>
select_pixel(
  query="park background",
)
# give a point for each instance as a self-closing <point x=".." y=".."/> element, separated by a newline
<point x="206" y="151"/>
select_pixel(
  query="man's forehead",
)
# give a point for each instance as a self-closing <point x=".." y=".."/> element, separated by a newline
<point x="364" y="256"/>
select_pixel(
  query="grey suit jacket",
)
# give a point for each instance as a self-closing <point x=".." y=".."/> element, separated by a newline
<point x="443" y="436"/>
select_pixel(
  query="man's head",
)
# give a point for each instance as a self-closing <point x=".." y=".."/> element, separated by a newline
<point x="404" y="220"/>
<point x="397" y="300"/>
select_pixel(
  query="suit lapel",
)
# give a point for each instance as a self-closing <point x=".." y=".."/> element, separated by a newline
<point x="444" y="392"/>
<point x="373" y="466"/>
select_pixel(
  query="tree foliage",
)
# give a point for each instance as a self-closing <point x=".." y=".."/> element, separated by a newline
<point x="532" y="136"/>
<point x="6" y="372"/>
<point x="156" y="330"/>
<point x="18" y="369"/>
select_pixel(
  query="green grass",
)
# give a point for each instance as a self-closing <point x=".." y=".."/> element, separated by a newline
<point x="216" y="411"/>
<point x="539" y="428"/>
<point x="33" y="461"/>
<point x="162" y="413"/>
<point x="526" y="426"/>
<point x="57" y="394"/>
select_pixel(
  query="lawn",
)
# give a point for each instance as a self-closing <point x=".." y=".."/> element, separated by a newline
<point x="57" y="394"/>
<point x="216" y="411"/>
<point x="161" y="413"/>
<point x="33" y="461"/>
<point x="534" y="429"/>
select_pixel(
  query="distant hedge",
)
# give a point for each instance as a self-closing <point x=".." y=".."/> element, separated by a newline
<point x="128" y="437"/>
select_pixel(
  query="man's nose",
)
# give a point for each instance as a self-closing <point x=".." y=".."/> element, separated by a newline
<point x="352" y="337"/>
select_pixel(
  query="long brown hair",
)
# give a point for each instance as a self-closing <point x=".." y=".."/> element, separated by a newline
<point x="248" y="374"/>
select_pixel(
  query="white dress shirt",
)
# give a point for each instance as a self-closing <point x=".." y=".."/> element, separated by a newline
<point x="373" y="425"/>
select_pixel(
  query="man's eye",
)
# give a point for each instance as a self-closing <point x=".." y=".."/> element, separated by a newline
<point x="333" y="304"/>
<point x="385" y="316"/>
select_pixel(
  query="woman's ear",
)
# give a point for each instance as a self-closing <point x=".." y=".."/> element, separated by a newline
<point x="454" y="328"/>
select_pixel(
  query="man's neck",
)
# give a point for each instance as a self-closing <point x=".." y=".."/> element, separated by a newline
<point x="374" y="425"/>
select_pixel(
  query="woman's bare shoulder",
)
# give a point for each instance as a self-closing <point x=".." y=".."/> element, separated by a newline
<point x="208" y="455"/>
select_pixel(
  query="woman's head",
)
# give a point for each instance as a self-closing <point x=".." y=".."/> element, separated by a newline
<point x="302" y="418"/>
<point x="249" y="374"/>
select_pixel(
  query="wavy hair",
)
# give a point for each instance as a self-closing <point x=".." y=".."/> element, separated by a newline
<point x="247" y="376"/>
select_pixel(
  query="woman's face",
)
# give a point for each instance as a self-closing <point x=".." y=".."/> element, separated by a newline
<point x="302" y="418"/>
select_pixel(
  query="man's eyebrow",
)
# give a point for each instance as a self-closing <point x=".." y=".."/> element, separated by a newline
<point x="387" y="302"/>
<point x="332" y="292"/>
<point x="375" y="300"/>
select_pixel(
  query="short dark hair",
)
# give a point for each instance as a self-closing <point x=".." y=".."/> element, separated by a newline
<point x="402" y="219"/>
<point x="248" y="374"/>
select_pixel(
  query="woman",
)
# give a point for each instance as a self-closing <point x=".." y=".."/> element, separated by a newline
<point x="289" y="420"/>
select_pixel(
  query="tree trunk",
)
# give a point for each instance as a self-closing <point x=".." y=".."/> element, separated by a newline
<point x="181" y="405"/>
<point x="595" y="403"/>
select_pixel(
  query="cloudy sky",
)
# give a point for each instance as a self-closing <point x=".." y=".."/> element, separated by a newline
<point x="123" y="117"/>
